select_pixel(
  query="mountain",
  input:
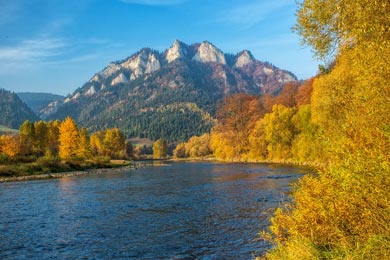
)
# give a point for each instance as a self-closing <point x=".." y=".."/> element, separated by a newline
<point x="171" y="94"/>
<point x="13" y="111"/>
<point x="38" y="101"/>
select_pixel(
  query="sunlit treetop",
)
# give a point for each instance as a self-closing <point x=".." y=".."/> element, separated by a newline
<point x="330" y="25"/>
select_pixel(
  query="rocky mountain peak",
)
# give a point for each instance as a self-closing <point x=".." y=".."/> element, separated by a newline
<point x="143" y="62"/>
<point x="178" y="50"/>
<point x="244" y="58"/>
<point x="207" y="52"/>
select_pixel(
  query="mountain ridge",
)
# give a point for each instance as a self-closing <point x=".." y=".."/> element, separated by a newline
<point x="127" y="93"/>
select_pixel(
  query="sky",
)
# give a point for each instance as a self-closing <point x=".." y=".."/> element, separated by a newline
<point x="56" y="46"/>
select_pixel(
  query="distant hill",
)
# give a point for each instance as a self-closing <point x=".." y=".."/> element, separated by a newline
<point x="37" y="101"/>
<point x="171" y="94"/>
<point x="13" y="111"/>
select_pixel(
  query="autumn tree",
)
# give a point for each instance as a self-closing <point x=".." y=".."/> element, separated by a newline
<point x="198" y="146"/>
<point x="96" y="143"/>
<point x="279" y="132"/>
<point x="236" y="115"/>
<point x="114" y="143"/>
<point x="27" y="137"/>
<point x="68" y="139"/>
<point x="257" y="143"/>
<point x="160" y="149"/>
<point x="303" y="95"/>
<point x="343" y="212"/>
<point x="180" y="151"/>
<point x="307" y="144"/>
<point x="10" y="145"/>
<point x="41" y="138"/>
<point x="286" y="97"/>
<point x="129" y="149"/>
<point x="84" y="147"/>
<point x="53" y="134"/>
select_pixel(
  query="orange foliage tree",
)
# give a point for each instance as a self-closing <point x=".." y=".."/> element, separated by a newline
<point x="10" y="145"/>
<point x="236" y="115"/>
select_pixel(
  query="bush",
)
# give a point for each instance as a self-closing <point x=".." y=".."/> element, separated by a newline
<point x="48" y="161"/>
<point x="5" y="159"/>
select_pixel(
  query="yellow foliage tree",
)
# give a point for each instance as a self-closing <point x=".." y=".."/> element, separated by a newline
<point x="198" y="146"/>
<point x="180" y="151"/>
<point x="160" y="149"/>
<point x="344" y="213"/>
<point x="114" y="143"/>
<point x="96" y="143"/>
<point x="257" y="143"/>
<point x="279" y="132"/>
<point x="68" y="139"/>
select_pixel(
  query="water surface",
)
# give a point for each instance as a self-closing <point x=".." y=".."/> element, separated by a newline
<point x="173" y="211"/>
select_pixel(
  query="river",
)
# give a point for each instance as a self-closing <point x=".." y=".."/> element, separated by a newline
<point x="182" y="210"/>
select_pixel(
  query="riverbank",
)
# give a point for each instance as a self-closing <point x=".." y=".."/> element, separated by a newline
<point x="112" y="167"/>
<point x="314" y="165"/>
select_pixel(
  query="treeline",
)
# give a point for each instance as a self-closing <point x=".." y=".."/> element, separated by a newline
<point x="55" y="142"/>
<point x="344" y="124"/>
<point x="344" y="213"/>
<point x="260" y="128"/>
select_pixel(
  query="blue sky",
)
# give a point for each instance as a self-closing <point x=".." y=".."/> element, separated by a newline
<point x="56" y="46"/>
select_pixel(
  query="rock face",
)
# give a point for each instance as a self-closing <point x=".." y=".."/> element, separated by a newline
<point x="121" y="78"/>
<point x="177" y="51"/>
<point x="50" y="109"/>
<point x="209" y="53"/>
<point x="244" y="58"/>
<point x="132" y="93"/>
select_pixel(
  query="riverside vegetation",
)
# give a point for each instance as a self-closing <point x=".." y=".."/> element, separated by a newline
<point x="46" y="147"/>
<point x="344" y="126"/>
<point x="339" y="120"/>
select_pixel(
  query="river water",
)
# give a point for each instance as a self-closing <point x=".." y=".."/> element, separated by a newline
<point x="201" y="210"/>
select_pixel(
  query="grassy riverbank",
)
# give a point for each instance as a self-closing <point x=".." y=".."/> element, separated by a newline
<point x="52" y="167"/>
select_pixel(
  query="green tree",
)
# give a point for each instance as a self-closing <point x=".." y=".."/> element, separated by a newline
<point x="160" y="149"/>
<point x="41" y="137"/>
<point x="84" y="147"/>
<point x="53" y="134"/>
<point x="27" y="137"/>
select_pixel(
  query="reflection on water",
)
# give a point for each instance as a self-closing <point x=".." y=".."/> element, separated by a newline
<point x="173" y="211"/>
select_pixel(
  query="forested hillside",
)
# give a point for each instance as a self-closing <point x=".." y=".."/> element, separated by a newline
<point x="170" y="95"/>
<point x="13" y="112"/>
